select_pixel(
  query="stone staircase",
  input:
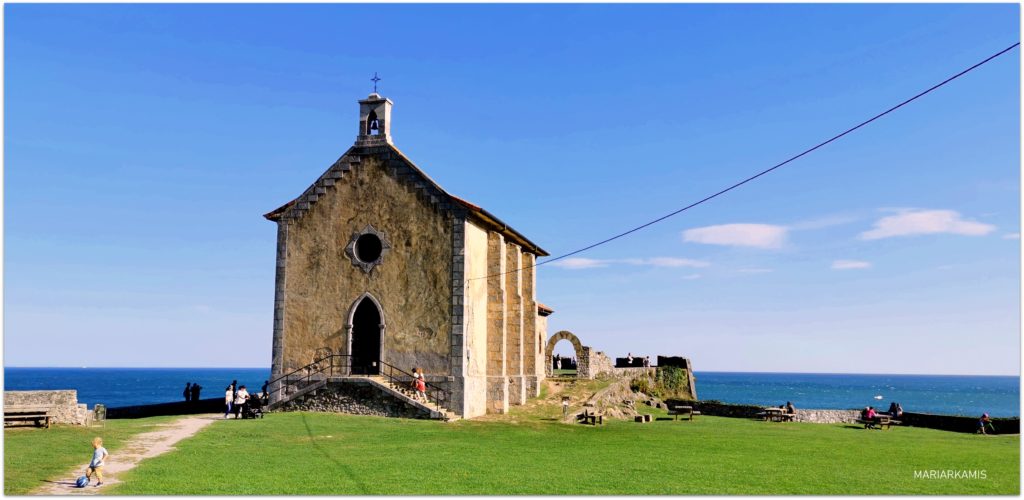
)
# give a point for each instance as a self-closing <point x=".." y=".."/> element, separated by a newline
<point x="406" y="394"/>
<point x="403" y="394"/>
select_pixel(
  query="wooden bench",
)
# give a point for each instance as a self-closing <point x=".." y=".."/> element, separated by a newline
<point x="39" y="415"/>
<point x="878" y="422"/>
<point x="688" y="411"/>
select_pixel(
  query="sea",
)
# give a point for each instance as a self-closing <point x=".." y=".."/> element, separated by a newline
<point x="941" y="394"/>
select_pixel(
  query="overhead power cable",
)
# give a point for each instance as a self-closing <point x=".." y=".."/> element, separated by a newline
<point x="763" y="172"/>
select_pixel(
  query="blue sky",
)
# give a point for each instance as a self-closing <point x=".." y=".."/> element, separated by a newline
<point x="142" y="143"/>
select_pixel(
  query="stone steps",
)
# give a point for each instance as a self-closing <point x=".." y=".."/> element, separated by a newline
<point x="408" y="395"/>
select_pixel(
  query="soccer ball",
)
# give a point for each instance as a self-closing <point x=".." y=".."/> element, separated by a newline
<point x="82" y="482"/>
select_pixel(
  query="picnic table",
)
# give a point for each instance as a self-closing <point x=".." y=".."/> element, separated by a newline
<point x="879" y="422"/>
<point x="685" y="410"/>
<point x="776" y="415"/>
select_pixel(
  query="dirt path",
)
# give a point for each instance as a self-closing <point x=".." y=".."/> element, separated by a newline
<point x="137" y="449"/>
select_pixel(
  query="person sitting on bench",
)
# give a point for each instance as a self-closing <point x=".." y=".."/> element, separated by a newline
<point x="790" y="409"/>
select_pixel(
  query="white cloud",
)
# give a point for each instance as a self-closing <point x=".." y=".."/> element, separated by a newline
<point x="675" y="262"/>
<point x="744" y="235"/>
<point x="1011" y="236"/>
<point x="850" y="264"/>
<point x="911" y="222"/>
<point x="823" y="222"/>
<point x="691" y="276"/>
<point x="580" y="263"/>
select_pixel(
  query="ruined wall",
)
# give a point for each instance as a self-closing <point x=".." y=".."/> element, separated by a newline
<point x="598" y="364"/>
<point x="412" y="283"/>
<point x="476" y="322"/>
<point x="66" y="409"/>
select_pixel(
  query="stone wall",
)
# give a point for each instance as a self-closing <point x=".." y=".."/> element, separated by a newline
<point x="210" y="405"/>
<point x="412" y="283"/>
<point x="826" y="416"/>
<point x="598" y="364"/>
<point x="958" y="423"/>
<point x="953" y="423"/>
<point x="355" y="399"/>
<point x="634" y="372"/>
<point x="66" y="409"/>
<point x="497" y="381"/>
<point x="514" y="324"/>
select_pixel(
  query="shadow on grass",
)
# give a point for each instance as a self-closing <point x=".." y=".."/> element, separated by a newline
<point x="344" y="468"/>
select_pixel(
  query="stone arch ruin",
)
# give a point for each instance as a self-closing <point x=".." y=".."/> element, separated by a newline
<point x="582" y="354"/>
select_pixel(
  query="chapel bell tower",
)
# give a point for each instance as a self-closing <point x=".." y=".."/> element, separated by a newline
<point x="374" y="121"/>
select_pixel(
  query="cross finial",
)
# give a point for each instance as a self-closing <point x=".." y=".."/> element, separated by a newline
<point x="375" y="79"/>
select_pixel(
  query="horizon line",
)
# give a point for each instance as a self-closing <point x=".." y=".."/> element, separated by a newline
<point x="1018" y="375"/>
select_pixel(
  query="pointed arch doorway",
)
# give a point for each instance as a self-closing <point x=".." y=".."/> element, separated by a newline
<point x="367" y="331"/>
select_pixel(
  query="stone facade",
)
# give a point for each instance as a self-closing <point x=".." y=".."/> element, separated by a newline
<point x="378" y="263"/>
<point x="66" y="409"/>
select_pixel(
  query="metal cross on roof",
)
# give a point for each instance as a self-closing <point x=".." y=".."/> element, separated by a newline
<point x="375" y="79"/>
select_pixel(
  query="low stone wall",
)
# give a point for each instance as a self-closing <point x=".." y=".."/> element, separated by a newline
<point x="356" y="399"/>
<point x="953" y="423"/>
<point x="634" y="372"/>
<point x="212" y="405"/>
<point x="65" y="404"/>
<point x="958" y="423"/>
<point x="827" y="416"/>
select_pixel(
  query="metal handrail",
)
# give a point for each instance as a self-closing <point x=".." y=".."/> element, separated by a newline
<point x="393" y="374"/>
<point x="439" y="395"/>
<point x="317" y="367"/>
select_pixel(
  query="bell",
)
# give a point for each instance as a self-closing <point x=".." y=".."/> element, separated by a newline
<point x="373" y="125"/>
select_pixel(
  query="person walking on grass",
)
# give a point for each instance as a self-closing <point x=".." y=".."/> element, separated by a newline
<point x="985" y="421"/>
<point x="99" y="456"/>
<point x="241" y="398"/>
<point x="229" y="397"/>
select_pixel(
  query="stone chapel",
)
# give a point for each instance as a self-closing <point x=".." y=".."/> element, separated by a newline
<point x="377" y="262"/>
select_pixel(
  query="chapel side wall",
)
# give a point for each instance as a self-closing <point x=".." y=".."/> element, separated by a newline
<point x="497" y="379"/>
<point x="532" y="344"/>
<point x="542" y="364"/>
<point x="514" y="324"/>
<point x="476" y="322"/>
<point x="413" y="283"/>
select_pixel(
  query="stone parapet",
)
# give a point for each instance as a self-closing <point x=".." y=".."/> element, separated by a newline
<point x="66" y="409"/>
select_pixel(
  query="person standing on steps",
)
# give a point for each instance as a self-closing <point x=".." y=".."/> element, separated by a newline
<point x="187" y="392"/>
<point x="421" y="388"/>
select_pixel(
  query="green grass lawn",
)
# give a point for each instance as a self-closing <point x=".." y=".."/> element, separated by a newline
<point x="33" y="455"/>
<point x="317" y="454"/>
